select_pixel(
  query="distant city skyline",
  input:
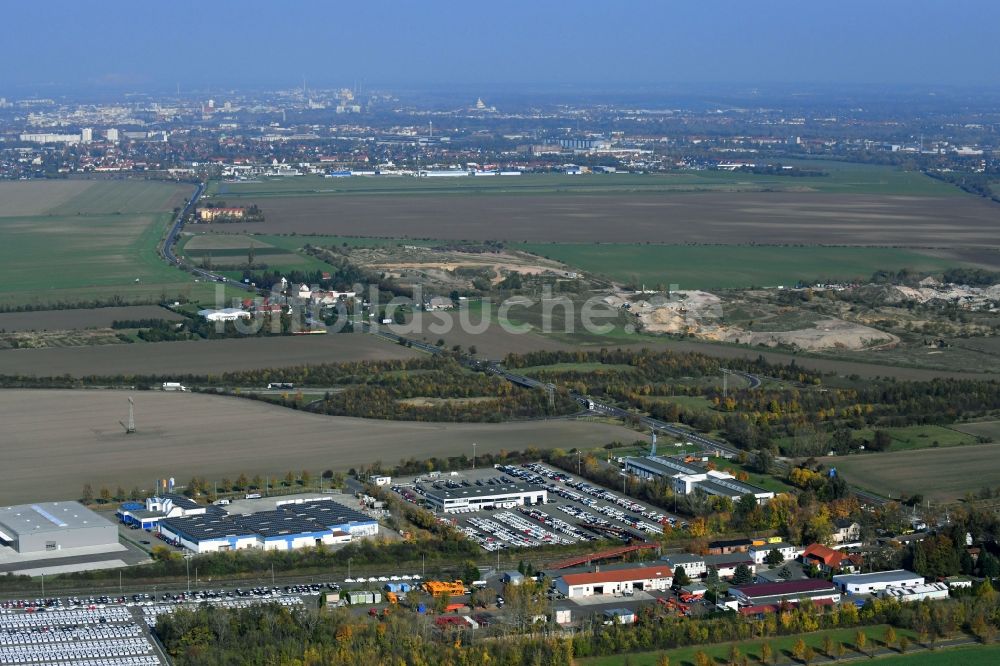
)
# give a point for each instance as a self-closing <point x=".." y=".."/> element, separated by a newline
<point x="121" y="45"/>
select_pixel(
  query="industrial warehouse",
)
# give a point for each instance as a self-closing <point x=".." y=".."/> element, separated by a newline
<point x="476" y="498"/>
<point x="762" y="594"/>
<point x="870" y="583"/>
<point x="289" y="526"/>
<point x="54" y="526"/>
<point x="686" y="478"/>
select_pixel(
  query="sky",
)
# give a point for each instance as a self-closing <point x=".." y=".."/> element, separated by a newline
<point x="609" y="44"/>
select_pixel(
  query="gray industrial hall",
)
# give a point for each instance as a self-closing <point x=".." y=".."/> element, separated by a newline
<point x="54" y="526"/>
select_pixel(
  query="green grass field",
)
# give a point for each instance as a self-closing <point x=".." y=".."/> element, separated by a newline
<point x="99" y="243"/>
<point x="732" y="266"/>
<point x="842" y="177"/>
<point x="765" y="481"/>
<point x="781" y="648"/>
<point x="922" y="437"/>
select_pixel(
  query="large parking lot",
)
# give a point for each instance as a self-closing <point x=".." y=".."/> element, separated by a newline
<point x="577" y="510"/>
<point x="110" y="636"/>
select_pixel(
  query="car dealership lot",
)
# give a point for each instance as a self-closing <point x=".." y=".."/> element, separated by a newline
<point x="576" y="511"/>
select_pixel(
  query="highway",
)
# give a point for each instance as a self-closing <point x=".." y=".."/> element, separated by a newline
<point x="167" y="250"/>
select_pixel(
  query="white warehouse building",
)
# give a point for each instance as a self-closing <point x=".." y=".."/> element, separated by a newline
<point x="871" y="583"/>
<point x="916" y="593"/>
<point x="615" y="581"/>
<point x="450" y="500"/>
<point x="686" y="478"/>
<point x="288" y="527"/>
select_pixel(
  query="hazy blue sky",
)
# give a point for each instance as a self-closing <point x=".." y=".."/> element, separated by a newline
<point x="608" y="43"/>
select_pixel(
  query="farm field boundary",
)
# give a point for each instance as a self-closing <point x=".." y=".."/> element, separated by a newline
<point x="55" y="441"/>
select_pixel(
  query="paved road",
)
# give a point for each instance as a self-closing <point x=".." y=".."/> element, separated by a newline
<point x="167" y="250"/>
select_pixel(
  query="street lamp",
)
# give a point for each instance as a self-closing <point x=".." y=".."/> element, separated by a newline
<point x="579" y="465"/>
<point x="473" y="455"/>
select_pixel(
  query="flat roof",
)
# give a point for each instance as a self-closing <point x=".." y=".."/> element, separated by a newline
<point x="287" y="519"/>
<point x="469" y="492"/>
<point x="771" y="546"/>
<point x="721" y="543"/>
<point x="327" y="512"/>
<point x="730" y="487"/>
<point x="42" y="517"/>
<point x="708" y="560"/>
<point x="667" y="466"/>
<point x="894" y="576"/>
<point x="683" y="558"/>
<point x="203" y="528"/>
<point x="785" y="588"/>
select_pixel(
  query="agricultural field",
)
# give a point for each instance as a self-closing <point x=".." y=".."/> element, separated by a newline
<point x="55" y="441"/>
<point x="72" y="241"/>
<point x="988" y="429"/>
<point x="763" y="218"/>
<point x="940" y="474"/>
<point x="733" y="266"/>
<point x="200" y="356"/>
<point x="64" y="320"/>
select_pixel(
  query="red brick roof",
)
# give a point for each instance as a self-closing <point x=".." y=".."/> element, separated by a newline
<point x="828" y="556"/>
<point x="618" y="575"/>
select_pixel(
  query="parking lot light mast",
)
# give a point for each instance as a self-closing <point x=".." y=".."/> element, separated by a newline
<point x="473" y="455"/>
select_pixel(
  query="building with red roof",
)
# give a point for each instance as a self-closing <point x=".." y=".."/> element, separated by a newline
<point x="762" y="594"/>
<point x="626" y="580"/>
<point x="827" y="559"/>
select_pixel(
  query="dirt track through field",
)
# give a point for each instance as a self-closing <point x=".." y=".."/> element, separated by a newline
<point x="55" y="441"/>
<point x="726" y="218"/>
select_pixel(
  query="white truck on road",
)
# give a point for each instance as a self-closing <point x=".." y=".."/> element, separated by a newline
<point x="174" y="386"/>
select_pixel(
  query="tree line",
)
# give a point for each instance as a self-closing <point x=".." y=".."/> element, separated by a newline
<point x="275" y="635"/>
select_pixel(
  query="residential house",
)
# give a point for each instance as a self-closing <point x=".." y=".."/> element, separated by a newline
<point x="846" y="531"/>
<point x="828" y="559"/>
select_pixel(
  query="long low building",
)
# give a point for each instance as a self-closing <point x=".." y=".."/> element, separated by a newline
<point x="615" y="581"/>
<point x="786" y="550"/>
<point x="686" y="478"/>
<point x="791" y="590"/>
<point x="870" y="583"/>
<point x="450" y="500"/>
<point x="696" y="566"/>
<point x="54" y="526"/>
<point x="916" y="592"/>
<point x="288" y="527"/>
